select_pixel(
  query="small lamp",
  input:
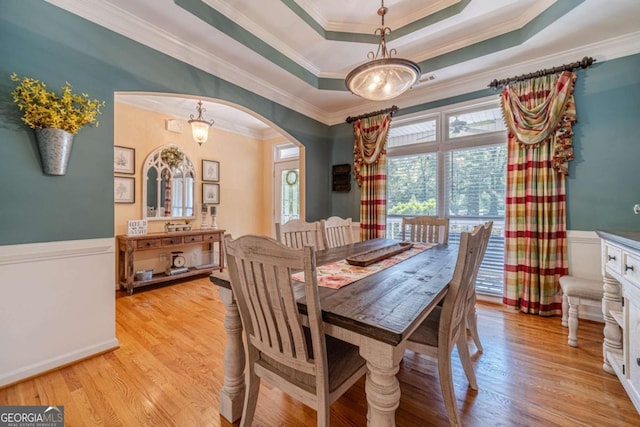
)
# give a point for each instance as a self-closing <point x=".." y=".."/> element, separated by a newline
<point x="199" y="126"/>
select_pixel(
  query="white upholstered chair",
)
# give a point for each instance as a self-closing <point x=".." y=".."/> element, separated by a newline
<point x="297" y="233"/>
<point x="445" y="326"/>
<point x="425" y="229"/>
<point x="303" y="362"/>
<point x="336" y="232"/>
<point x="577" y="291"/>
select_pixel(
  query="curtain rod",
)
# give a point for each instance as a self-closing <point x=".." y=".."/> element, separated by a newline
<point x="586" y="62"/>
<point x="390" y="110"/>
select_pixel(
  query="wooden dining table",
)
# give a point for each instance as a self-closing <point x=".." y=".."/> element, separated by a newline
<point x="376" y="313"/>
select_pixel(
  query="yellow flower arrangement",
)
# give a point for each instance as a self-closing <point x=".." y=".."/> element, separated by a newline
<point x="44" y="109"/>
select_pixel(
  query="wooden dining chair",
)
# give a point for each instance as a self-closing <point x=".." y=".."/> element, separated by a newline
<point x="445" y="326"/>
<point x="425" y="229"/>
<point x="297" y="233"/>
<point x="336" y="232"/>
<point x="472" y="316"/>
<point x="301" y="361"/>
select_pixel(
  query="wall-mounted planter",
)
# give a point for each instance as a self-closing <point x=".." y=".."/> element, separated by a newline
<point x="55" y="149"/>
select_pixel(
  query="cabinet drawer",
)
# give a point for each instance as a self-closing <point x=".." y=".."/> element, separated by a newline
<point x="169" y="241"/>
<point x="213" y="237"/>
<point x="631" y="268"/>
<point x="613" y="259"/>
<point x="148" y="243"/>
<point x="192" y="239"/>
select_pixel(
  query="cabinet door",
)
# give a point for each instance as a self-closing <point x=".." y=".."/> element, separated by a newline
<point x="633" y="331"/>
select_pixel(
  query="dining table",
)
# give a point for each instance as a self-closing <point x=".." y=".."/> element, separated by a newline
<point x="377" y="313"/>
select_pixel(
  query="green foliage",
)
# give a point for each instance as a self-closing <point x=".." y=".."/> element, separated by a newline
<point x="413" y="207"/>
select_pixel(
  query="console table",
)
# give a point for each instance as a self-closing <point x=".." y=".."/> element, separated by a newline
<point x="128" y="246"/>
<point x="621" y="308"/>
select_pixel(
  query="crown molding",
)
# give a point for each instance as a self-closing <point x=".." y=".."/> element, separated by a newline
<point x="120" y="21"/>
<point x="127" y="25"/>
<point x="234" y="14"/>
<point x="431" y="91"/>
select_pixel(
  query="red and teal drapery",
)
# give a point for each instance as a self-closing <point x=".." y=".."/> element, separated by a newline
<point x="370" y="169"/>
<point x="539" y="114"/>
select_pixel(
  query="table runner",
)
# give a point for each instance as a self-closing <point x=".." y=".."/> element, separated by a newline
<point x="337" y="274"/>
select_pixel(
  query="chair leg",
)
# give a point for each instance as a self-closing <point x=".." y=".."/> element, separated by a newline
<point x="471" y="320"/>
<point x="250" y="397"/>
<point x="446" y="385"/>
<point x="574" y="303"/>
<point x="565" y="310"/>
<point x="465" y="358"/>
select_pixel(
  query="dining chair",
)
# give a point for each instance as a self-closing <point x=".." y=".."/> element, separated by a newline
<point x="336" y="232"/>
<point x="425" y="229"/>
<point x="302" y="361"/>
<point x="445" y="326"/>
<point x="472" y="316"/>
<point x="297" y="233"/>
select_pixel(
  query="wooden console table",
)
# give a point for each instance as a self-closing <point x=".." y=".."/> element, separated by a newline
<point x="128" y="246"/>
<point x="621" y="308"/>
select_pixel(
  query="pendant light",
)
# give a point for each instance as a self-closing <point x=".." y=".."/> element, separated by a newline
<point x="383" y="77"/>
<point x="199" y="126"/>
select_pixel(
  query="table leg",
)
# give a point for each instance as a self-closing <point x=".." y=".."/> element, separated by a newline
<point x="381" y="385"/>
<point x="232" y="393"/>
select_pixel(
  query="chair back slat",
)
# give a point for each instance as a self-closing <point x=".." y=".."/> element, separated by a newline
<point x="260" y="270"/>
<point x="297" y="233"/>
<point x="425" y="229"/>
<point x="336" y="232"/>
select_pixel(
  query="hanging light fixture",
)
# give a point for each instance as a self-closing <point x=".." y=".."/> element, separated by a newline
<point x="199" y="126"/>
<point x="383" y="77"/>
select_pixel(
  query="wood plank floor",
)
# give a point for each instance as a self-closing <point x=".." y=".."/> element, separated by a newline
<point x="168" y="371"/>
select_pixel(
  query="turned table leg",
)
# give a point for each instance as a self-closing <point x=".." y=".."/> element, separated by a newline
<point x="381" y="386"/>
<point x="232" y="393"/>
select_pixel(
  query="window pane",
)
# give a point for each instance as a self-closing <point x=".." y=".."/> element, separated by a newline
<point x="475" y="122"/>
<point x="290" y="191"/>
<point x="412" y="133"/>
<point x="411" y="188"/>
<point x="476" y="178"/>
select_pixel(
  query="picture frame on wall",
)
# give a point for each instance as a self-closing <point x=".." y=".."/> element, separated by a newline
<point x="124" y="189"/>
<point x="210" y="170"/>
<point x="124" y="160"/>
<point x="211" y="193"/>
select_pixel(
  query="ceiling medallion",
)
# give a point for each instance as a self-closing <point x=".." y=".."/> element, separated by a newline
<point x="383" y="77"/>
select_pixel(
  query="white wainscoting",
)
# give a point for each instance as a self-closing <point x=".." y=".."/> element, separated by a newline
<point x="57" y="305"/>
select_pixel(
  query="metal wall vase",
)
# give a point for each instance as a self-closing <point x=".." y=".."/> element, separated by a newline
<point x="55" y="149"/>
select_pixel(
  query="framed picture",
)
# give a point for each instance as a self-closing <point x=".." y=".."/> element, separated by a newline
<point x="210" y="193"/>
<point x="124" y="160"/>
<point x="124" y="189"/>
<point x="210" y="170"/>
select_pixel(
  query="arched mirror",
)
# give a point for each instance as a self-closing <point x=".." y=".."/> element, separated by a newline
<point x="168" y="191"/>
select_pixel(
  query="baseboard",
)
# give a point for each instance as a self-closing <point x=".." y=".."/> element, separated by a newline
<point x="44" y="366"/>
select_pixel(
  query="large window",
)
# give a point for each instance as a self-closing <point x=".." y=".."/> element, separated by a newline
<point x="452" y="163"/>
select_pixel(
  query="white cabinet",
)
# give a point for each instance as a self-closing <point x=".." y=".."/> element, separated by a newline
<point x="621" y="308"/>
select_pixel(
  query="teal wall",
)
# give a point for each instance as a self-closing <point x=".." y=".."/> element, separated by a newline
<point x="47" y="43"/>
<point x="604" y="178"/>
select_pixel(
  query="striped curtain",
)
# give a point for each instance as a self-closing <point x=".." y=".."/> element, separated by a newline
<point x="539" y="114"/>
<point x="370" y="168"/>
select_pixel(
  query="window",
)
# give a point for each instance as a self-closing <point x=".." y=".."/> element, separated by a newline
<point x="458" y="173"/>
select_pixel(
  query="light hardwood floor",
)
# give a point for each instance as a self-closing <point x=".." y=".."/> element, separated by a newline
<point x="168" y="370"/>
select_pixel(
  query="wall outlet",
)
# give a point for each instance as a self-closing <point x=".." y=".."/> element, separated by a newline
<point x="163" y="257"/>
<point x="636" y="209"/>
